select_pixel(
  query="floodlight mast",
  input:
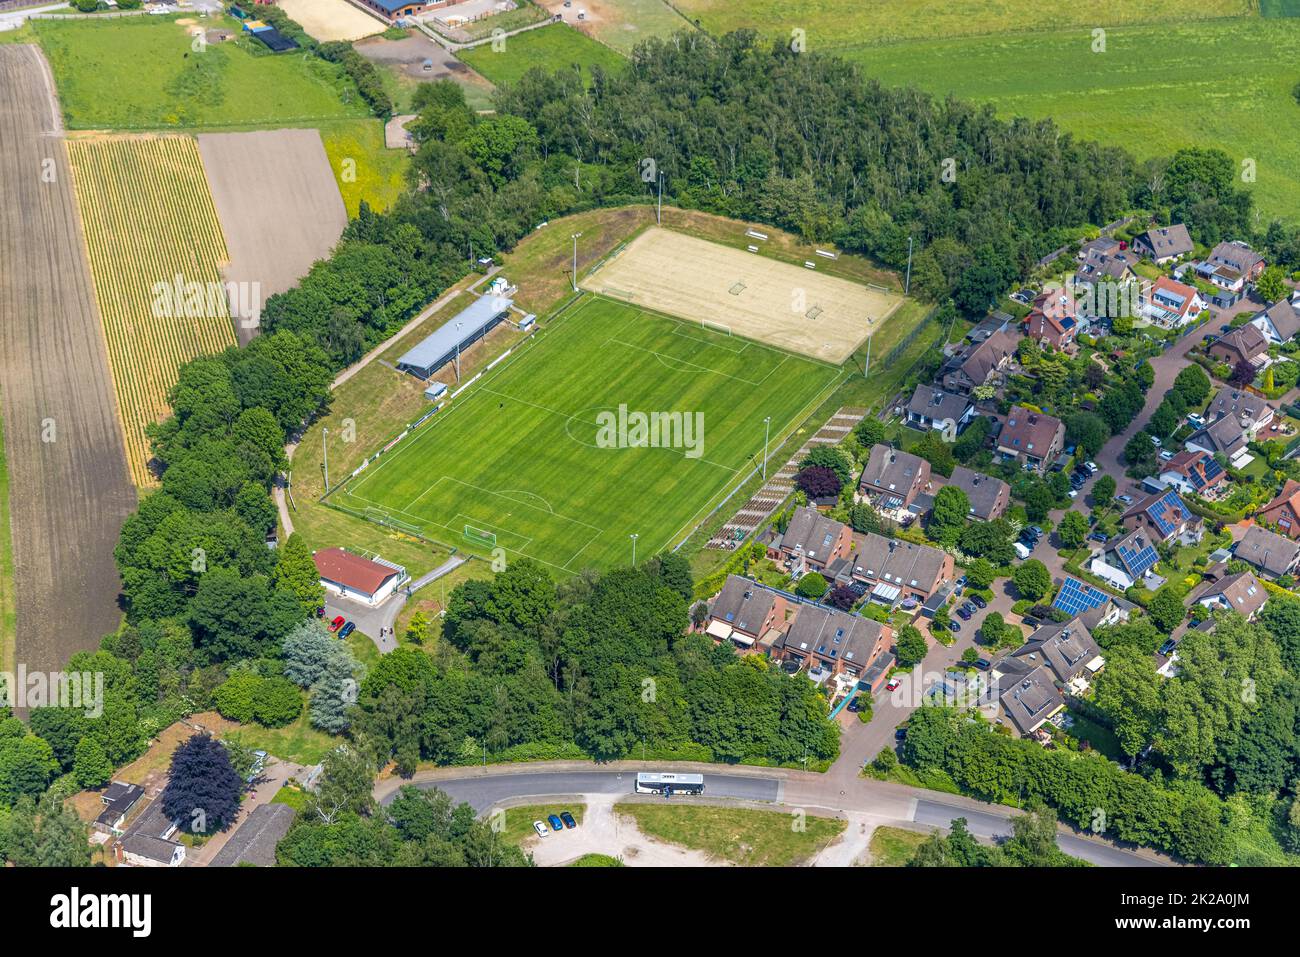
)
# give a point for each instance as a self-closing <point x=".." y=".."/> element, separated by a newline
<point x="575" y="261"/>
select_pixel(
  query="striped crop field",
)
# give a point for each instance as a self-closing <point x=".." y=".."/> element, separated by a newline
<point x="155" y="247"/>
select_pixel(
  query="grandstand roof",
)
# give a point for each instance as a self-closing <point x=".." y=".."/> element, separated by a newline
<point x="433" y="351"/>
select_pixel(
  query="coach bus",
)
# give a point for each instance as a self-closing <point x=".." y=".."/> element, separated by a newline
<point x="661" y="783"/>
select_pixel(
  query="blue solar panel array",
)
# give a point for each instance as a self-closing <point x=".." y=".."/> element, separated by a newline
<point x="1159" y="513"/>
<point x="1076" y="597"/>
<point x="1137" y="560"/>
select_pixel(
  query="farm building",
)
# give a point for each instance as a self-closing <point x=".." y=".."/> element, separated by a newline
<point x="351" y="576"/>
<point x="269" y="36"/>
<point x="392" y="10"/>
<point x="462" y="329"/>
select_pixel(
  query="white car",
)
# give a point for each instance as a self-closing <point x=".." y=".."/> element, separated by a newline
<point x="1091" y="467"/>
<point x="540" y="828"/>
<point x="1166" y="455"/>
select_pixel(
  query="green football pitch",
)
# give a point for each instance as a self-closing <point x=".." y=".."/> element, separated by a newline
<point x="531" y="459"/>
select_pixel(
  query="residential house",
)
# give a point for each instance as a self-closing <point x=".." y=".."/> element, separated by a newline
<point x="1273" y="554"/>
<point x="746" y="613"/>
<point x="826" y="640"/>
<point x="895" y="569"/>
<point x="1224" y="436"/>
<point x="980" y="364"/>
<point x="1231" y="265"/>
<point x="893" y="478"/>
<point x="989" y="497"/>
<point x="1251" y="412"/>
<point x="1165" y="515"/>
<point x="1125" y="561"/>
<point x="1031" y="696"/>
<point x="1279" y="322"/>
<point x="148" y="842"/>
<point x="1053" y="319"/>
<point x="1194" y="472"/>
<point x="118" y="800"/>
<point x="1244" y="344"/>
<point x="1171" y="304"/>
<point x="1032" y="438"/>
<point x="1164" y="244"/>
<point x="1067" y="649"/>
<point x="811" y="542"/>
<point x="932" y="408"/>
<point x="1241" y="593"/>
<point x="1110" y="611"/>
<point x="254" y="841"/>
<point x="1284" y="510"/>
<point x="1103" y="260"/>
<point x="1090" y="604"/>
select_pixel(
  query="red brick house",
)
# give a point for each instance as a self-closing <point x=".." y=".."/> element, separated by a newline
<point x="827" y="640"/>
<point x="1053" y="319"/>
<point x="746" y="613"/>
<point x="1284" y="510"/>
<point x="811" y="542"/>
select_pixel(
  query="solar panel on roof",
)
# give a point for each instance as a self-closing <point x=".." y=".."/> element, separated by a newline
<point x="1138" y="560"/>
<point x="1077" y="597"/>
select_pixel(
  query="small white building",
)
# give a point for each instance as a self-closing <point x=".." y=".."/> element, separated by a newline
<point x="362" y="579"/>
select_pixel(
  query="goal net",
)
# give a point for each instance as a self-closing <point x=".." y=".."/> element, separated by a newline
<point x="480" y="536"/>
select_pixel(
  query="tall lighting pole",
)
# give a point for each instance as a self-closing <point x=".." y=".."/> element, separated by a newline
<point x="324" y="446"/>
<point x="767" y="431"/>
<point x="633" y="536"/>
<point x="866" y="371"/>
<point x="907" y="283"/>
<point x="575" y="261"/>
<point x="458" y="325"/>
<point x="659" y="210"/>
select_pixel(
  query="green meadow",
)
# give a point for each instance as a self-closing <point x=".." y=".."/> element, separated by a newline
<point x="552" y="48"/>
<point x="1223" y="83"/>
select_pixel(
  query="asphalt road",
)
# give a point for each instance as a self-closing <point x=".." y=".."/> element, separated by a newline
<point x="885" y="803"/>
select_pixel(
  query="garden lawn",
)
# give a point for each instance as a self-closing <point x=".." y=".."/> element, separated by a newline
<point x="140" y="73"/>
<point x="520" y="455"/>
<point x="1155" y="89"/>
<point x="739" y="835"/>
<point x="552" y="48"/>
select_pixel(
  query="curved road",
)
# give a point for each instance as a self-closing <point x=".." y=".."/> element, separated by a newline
<point x="882" y="803"/>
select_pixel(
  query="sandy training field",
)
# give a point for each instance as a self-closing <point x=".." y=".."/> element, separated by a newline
<point x="69" y="488"/>
<point x="744" y="294"/>
<point x="278" y="222"/>
<point x="326" y="20"/>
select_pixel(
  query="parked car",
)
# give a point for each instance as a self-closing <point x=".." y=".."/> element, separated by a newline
<point x="1091" y="467"/>
<point x="893" y="683"/>
<point x="982" y="664"/>
<point x="1021" y="551"/>
<point x="954" y="626"/>
<point x="320" y="612"/>
<point x="556" y="823"/>
<point x="1099" y="537"/>
<point x="965" y="612"/>
<point x="568" y="820"/>
<point x="1074" y="493"/>
<point x="337" y="623"/>
<point x="347" y="629"/>
<point x="540" y="828"/>
<point x="1168" y="647"/>
<point x="900" y="732"/>
<point x="978" y="600"/>
<point x="1166" y="455"/>
<point x="1126" y="499"/>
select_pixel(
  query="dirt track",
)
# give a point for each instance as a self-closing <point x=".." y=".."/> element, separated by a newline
<point x="280" y="220"/>
<point x="68" y="496"/>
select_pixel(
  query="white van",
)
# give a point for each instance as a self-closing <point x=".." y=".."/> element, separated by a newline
<point x="1021" y="551"/>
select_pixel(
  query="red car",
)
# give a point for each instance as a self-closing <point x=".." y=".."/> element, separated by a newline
<point x="337" y="623"/>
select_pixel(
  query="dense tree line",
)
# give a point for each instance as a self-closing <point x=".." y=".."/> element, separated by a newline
<point x="601" y="662"/>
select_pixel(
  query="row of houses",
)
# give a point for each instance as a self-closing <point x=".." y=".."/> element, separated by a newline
<point x="826" y="642"/>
